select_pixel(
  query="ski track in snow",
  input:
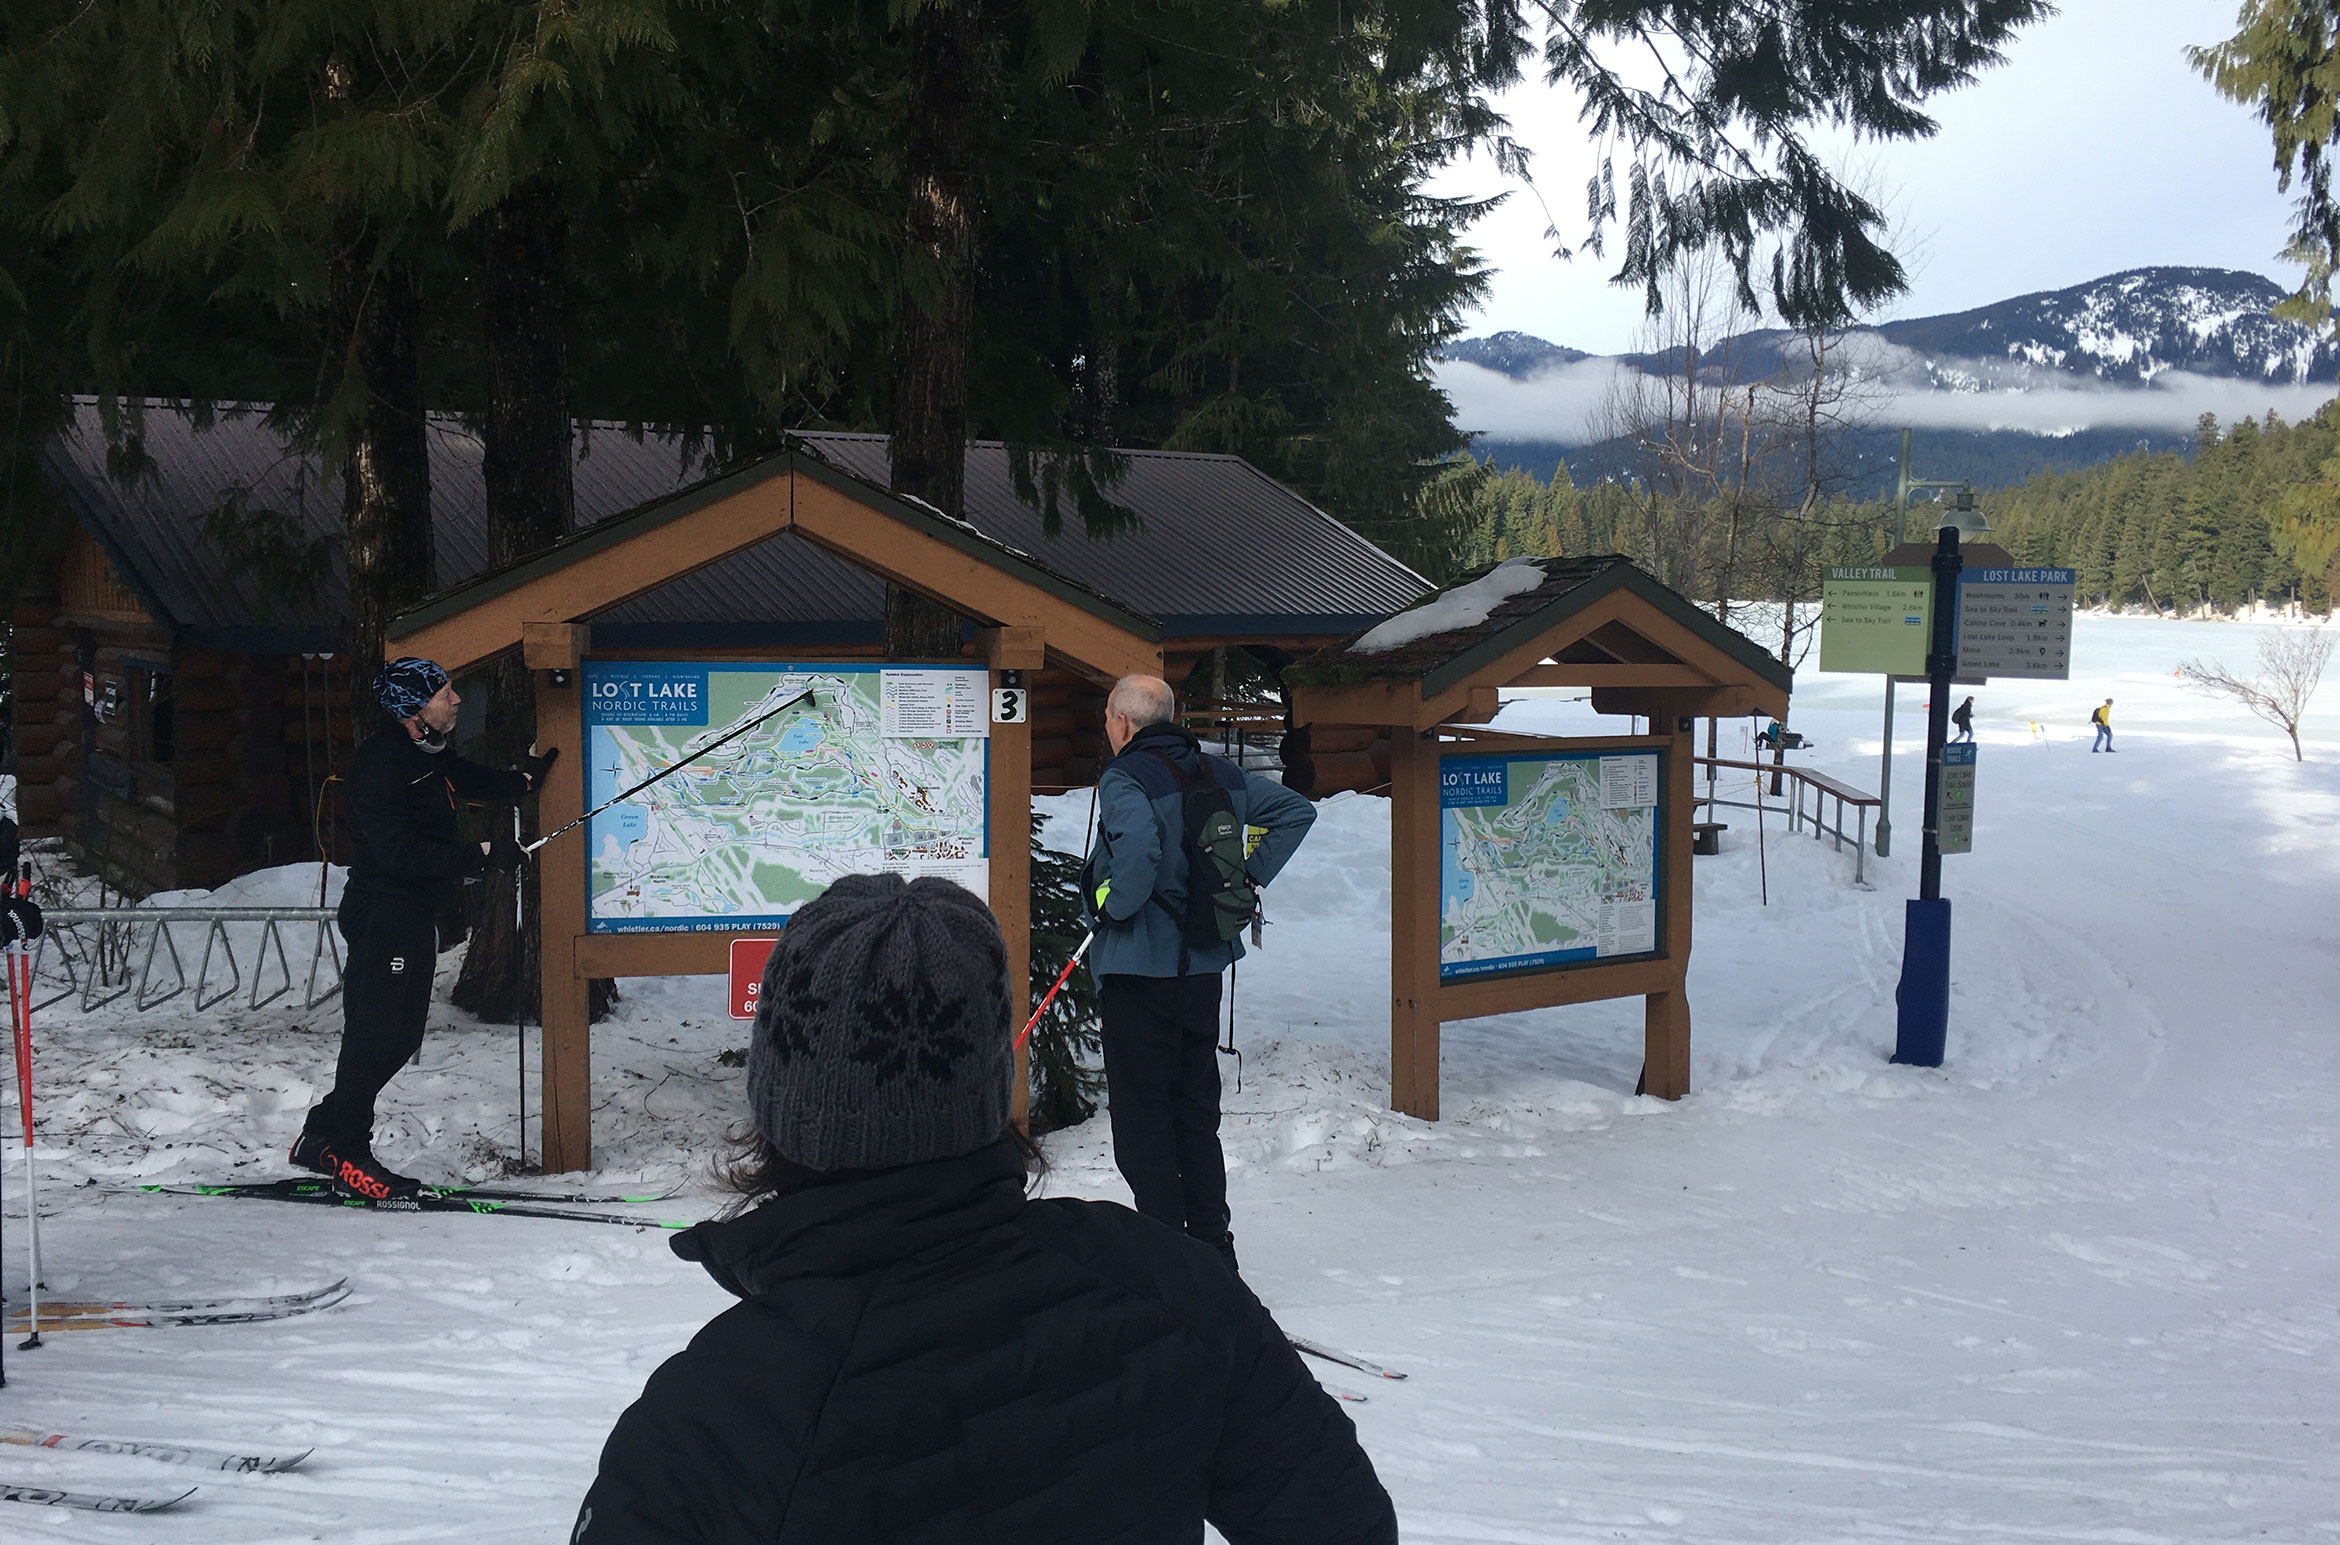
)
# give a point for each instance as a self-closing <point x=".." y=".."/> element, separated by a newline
<point x="2078" y="1285"/>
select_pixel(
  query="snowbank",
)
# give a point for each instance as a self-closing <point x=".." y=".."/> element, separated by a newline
<point x="2075" y="1285"/>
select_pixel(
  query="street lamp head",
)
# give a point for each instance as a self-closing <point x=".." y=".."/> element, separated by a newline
<point x="1961" y="513"/>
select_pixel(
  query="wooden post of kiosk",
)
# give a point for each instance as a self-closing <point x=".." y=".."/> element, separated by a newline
<point x="1596" y="623"/>
<point x="1413" y="924"/>
<point x="1665" y="1015"/>
<point x="1011" y="652"/>
<point x="553" y="653"/>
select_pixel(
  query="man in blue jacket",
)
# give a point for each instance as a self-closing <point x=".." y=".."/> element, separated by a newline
<point x="1158" y="990"/>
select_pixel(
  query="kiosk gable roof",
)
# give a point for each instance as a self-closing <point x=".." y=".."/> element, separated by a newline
<point x="1441" y="660"/>
<point x="635" y="523"/>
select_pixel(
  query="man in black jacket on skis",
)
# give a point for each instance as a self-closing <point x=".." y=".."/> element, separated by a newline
<point x="407" y="852"/>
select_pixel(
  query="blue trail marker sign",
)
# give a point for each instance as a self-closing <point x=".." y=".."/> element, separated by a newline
<point x="1955" y="824"/>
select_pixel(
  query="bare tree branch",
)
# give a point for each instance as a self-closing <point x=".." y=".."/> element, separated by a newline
<point x="2291" y="665"/>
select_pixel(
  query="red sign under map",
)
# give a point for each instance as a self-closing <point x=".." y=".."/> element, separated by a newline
<point x="747" y="972"/>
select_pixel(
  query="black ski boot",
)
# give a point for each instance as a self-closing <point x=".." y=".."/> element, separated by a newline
<point x="311" y="1152"/>
<point x="358" y="1175"/>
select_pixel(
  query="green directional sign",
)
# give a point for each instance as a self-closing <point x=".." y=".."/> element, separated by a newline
<point x="1876" y="621"/>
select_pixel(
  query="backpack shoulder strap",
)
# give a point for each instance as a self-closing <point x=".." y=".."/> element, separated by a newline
<point x="1179" y="776"/>
<point x="1230" y="777"/>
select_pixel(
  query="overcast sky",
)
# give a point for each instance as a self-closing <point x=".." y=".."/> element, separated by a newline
<point x="2091" y="150"/>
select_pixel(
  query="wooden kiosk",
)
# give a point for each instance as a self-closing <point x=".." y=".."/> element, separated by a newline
<point x="1027" y="617"/>
<point x="1599" y="623"/>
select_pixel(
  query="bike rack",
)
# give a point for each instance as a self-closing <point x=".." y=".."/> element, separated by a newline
<point x="116" y="930"/>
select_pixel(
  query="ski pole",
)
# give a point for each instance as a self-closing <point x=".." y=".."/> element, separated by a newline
<point x="20" y="990"/>
<point x="1062" y="977"/>
<point x="619" y="799"/>
<point x="520" y="991"/>
<point x="1065" y="975"/>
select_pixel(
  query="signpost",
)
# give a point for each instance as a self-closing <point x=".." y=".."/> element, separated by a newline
<point x="1922" y="1020"/>
<point x="2015" y="622"/>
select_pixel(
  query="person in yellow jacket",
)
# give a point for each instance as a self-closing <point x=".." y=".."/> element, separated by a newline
<point x="2102" y="719"/>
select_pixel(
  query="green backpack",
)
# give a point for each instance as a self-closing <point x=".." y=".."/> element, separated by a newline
<point x="1220" y="898"/>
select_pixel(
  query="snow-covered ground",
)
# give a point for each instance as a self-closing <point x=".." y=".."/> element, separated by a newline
<point x="2080" y="1284"/>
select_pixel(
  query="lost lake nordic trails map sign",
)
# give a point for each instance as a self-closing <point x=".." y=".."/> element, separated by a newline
<point x="1546" y="860"/>
<point x="882" y="769"/>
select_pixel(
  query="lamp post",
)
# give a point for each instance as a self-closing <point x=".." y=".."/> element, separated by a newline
<point x="1969" y="521"/>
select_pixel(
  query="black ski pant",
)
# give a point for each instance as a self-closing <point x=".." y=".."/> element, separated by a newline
<point x="385" y="997"/>
<point x="1162" y="1086"/>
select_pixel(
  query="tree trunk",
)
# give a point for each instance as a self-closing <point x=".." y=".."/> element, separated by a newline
<point x="930" y="359"/>
<point x="386" y="483"/>
<point x="524" y="347"/>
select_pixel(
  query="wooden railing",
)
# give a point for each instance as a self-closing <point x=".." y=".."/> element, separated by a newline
<point x="1802" y="784"/>
<point x="1246" y="733"/>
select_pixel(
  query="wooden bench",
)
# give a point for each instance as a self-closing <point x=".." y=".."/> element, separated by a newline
<point x="1706" y="837"/>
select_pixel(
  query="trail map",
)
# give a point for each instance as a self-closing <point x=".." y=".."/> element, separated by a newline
<point x="882" y="769"/>
<point x="1546" y="860"/>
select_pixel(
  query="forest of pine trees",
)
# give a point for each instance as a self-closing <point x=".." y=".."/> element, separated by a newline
<point x="2245" y="518"/>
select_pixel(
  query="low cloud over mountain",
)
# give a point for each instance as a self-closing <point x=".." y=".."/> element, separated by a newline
<point x="2151" y="351"/>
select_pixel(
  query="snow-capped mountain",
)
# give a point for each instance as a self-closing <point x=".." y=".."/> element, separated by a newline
<point x="1517" y="355"/>
<point x="2124" y="330"/>
<point x="2058" y="378"/>
<point x="2129" y="328"/>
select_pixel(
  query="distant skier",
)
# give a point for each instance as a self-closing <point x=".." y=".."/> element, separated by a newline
<point x="920" y="1351"/>
<point x="2102" y="719"/>
<point x="408" y="850"/>
<point x="1963" y="717"/>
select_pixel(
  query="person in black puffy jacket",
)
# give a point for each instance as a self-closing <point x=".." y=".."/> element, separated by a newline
<point x="923" y="1354"/>
<point x="408" y="853"/>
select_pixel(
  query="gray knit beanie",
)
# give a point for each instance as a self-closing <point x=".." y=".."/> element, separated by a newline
<point x="883" y="1028"/>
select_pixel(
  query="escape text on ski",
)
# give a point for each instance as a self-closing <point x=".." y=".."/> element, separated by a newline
<point x="1527" y="870"/>
<point x="728" y="773"/>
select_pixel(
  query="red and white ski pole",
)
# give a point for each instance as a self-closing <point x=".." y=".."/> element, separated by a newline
<point x="1062" y="977"/>
<point x="20" y="966"/>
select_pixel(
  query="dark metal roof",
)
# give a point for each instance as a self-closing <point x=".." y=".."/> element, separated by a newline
<point x="1218" y="548"/>
<point x="961" y="536"/>
<point x="1440" y="660"/>
<point x="1218" y="545"/>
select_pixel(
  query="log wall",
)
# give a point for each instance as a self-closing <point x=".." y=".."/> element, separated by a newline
<point x="1325" y="759"/>
<point x="223" y="793"/>
<point x="45" y="716"/>
<point x="1068" y="730"/>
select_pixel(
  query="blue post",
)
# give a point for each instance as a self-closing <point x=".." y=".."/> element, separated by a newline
<point x="1922" y="1025"/>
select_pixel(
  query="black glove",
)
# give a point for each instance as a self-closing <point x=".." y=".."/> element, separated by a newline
<point x="534" y="765"/>
<point x="503" y="853"/>
<point x="20" y="918"/>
